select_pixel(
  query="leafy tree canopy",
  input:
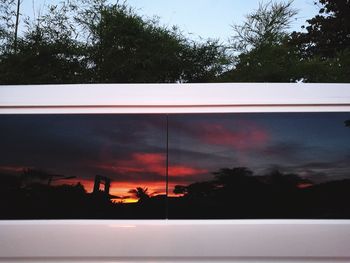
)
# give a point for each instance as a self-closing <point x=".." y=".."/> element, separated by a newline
<point x="267" y="25"/>
<point x="328" y="32"/>
<point x="90" y="41"/>
<point x="261" y="45"/>
<point x="325" y="46"/>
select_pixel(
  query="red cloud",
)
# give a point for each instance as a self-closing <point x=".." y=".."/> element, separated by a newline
<point x="137" y="163"/>
<point x="141" y="162"/>
<point x="245" y="136"/>
<point x="181" y="170"/>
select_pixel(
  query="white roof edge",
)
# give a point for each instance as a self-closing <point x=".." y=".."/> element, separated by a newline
<point x="174" y="95"/>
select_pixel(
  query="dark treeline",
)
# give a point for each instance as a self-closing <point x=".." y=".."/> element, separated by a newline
<point x="32" y="194"/>
<point x="233" y="193"/>
<point x="238" y="193"/>
<point x="92" y="41"/>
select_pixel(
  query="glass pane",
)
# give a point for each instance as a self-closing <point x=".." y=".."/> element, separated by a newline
<point x="259" y="165"/>
<point x="82" y="166"/>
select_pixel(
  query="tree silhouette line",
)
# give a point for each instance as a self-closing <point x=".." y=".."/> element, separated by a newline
<point x="238" y="193"/>
<point x="95" y="41"/>
<point x="233" y="193"/>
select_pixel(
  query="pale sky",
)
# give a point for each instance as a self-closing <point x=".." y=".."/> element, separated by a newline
<point x="198" y="18"/>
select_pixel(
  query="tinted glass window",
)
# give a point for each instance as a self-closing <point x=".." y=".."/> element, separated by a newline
<point x="82" y="166"/>
<point x="261" y="165"/>
<point x="220" y="166"/>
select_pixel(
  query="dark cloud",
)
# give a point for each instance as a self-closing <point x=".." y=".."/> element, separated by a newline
<point x="318" y="171"/>
<point x="339" y="163"/>
<point x="71" y="144"/>
<point x="189" y="157"/>
<point x="285" y="149"/>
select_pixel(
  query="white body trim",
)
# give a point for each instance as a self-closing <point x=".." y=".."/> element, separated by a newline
<point x="172" y="240"/>
<point x="175" y="240"/>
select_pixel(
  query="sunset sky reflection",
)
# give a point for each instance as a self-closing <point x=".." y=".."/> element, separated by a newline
<point x="131" y="149"/>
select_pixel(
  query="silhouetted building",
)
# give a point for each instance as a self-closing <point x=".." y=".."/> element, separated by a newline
<point x="99" y="179"/>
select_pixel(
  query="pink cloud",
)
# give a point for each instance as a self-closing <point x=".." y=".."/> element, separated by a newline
<point x="182" y="170"/>
<point x="141" y="162"/>
<point x="246" y="135"/>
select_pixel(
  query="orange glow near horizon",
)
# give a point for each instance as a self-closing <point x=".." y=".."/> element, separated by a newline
<point x="150" y="163"/>
<point x="121" y="189"/>
<point x="139" y="164"/>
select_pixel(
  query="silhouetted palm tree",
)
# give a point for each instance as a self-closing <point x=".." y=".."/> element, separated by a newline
<point x="140" y="193"/>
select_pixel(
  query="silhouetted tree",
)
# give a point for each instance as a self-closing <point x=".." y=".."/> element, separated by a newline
<point x="284" y="181"/>
<point x="201" y="190"/>
<point x="140" y="193"/>
<point x="232" y="177"/>
<point x="180" y="189"/>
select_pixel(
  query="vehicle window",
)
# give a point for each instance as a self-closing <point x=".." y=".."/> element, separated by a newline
<point x="259" y="166"/>
<point x="177" y="166"/>
<point x="82" y="166"/>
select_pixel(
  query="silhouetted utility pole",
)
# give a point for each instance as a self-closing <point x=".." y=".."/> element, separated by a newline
<point x="16" y="25"/>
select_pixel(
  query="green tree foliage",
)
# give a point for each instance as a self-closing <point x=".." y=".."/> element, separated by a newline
<point x="90" y="41"/>
<point x="267" y="25"/>
<point x="325" y="46"/>
<point x="129" y="49"/>
<point x="7" y="23"/>
<point x="328" y="32"/>
<point x="267" y="63"/>
<point x="261" y="44"/>
<point x="47" y="52"/>
<point x="268" y="53"/>
<point x="126" y="47"/>
<point x="40" y="60"/>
